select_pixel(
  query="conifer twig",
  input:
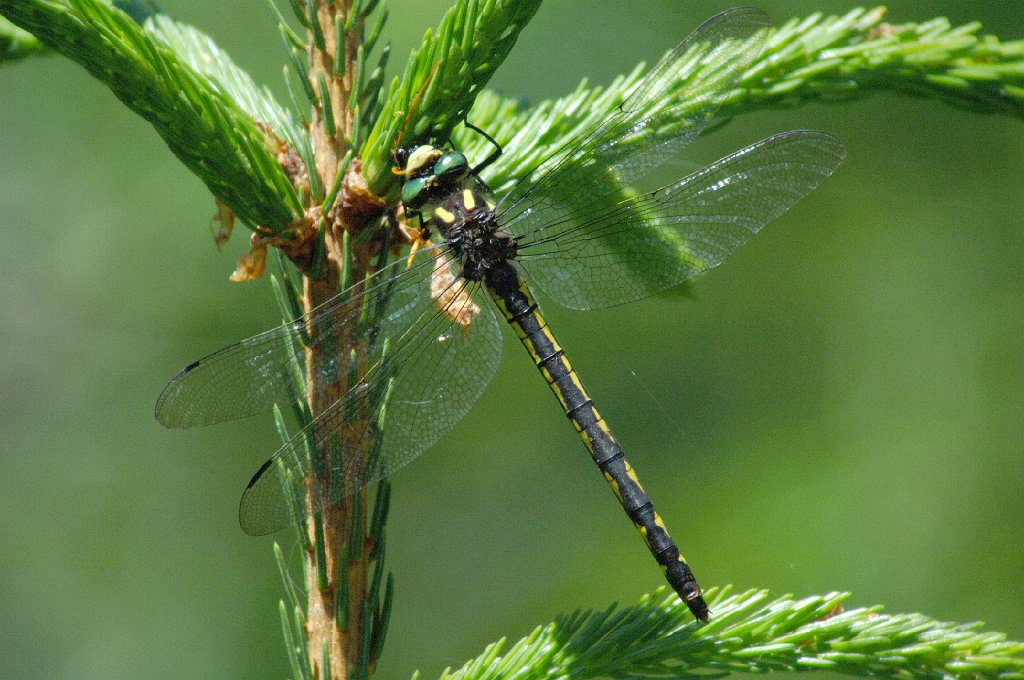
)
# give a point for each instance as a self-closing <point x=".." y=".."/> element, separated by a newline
<point x="817" y="58"/>
<point x="17" y="43"/>
<point x="212" y="134"/>
<point x="657" y="638"/>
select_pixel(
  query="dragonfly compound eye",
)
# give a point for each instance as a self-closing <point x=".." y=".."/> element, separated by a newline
<point x="452" y="166"/>
<point x="414" y="193"/>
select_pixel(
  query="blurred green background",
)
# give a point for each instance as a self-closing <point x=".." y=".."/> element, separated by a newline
<point x="839" y="406"/>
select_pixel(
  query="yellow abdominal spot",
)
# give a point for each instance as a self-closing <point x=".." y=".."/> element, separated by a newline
<point x="532" y="349"/>
<point x="612" y="483"/>
<point x="554" y="344"/>
<point x="561" y="398"/>
<point x="526" y="293"/>
<point x="604" y="426"/>
<point x="576" y="381"/>
<point x="631" y="473"/>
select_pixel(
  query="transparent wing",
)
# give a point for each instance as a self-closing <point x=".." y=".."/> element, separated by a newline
<point x="250" y="376"/>
<point x="659" y="239"/>
<point x="435" y="364"/>
<point x="663" y="113"/>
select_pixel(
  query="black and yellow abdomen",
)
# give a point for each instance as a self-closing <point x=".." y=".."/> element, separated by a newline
<point x="517" y="305"/>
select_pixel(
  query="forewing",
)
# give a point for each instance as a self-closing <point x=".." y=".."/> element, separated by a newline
<point x="437" y="361"/>
<point x="659" y="239"/>
<point x="251" y="376"/>
<point x="663" y="113"/>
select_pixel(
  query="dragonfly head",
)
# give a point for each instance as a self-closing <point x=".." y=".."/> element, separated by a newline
<point x="429" y="173"/>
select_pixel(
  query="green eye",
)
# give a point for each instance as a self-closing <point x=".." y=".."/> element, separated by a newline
<point x="412" y="192"/>
<point x="450" y="164"/>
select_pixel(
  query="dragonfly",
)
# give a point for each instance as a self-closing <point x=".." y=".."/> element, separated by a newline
<point x="426" y="325"/>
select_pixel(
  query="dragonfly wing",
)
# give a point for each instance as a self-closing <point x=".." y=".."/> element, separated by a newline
<point x="251" y="376"/>
<point x="657" y="119"/>
<point x="652" y="241"/>
<point x="441" y="352"/>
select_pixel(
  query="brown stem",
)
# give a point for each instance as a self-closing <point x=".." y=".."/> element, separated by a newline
<point x="341" y="636"/>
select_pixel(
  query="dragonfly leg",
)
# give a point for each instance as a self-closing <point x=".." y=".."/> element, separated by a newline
<point x="495" y="155"/>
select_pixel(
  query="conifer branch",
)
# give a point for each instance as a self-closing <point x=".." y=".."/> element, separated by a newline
<point x="833" y="58"/>
<point x="16" y="43"/>
<point x="212" y="134"/>
<point x="657" y="638"/>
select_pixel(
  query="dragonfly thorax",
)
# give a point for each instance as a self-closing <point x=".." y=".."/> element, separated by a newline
<point x="466" y="219"/>
<point x="446" y="195"/>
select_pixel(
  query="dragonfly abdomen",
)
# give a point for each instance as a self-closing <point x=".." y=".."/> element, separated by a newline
<point x="517" y="305"/>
